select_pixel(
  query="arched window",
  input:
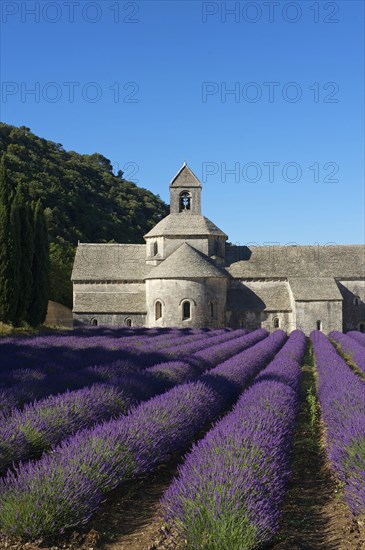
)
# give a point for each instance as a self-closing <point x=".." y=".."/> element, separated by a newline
<point x="357" y="300"/>
<point x="155" y="248"/>
<point x="158" y="310"/>
<point x="362" y="327"/>
<point x="276" y="322"/>
<point x="212" y="310"/>
<point x="186" y="310"/>
<point x="94" y="322"/>
<point x="185" y="201"/>
<point x="128" y="322"/>
<point x="319" y="325"/>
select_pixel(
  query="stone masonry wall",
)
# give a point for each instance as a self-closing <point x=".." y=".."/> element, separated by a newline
<point x="173" y="292"/>
<point x="115" y="319"/>
<point x="329" y="313"/>
<point x="353" y="309"/>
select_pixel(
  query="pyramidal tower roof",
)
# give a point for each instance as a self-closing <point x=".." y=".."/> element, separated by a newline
<point x="185" y="178"/>
<point x="186" y="263"/>
<point x="178" y="225"/>
<point x="189" y="223"/>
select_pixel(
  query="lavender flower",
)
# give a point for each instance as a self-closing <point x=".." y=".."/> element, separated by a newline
<point x="358" y="336"/>
<point x="351" y="346"/>
<point x="341" y="395"/>
<point x="230" y="489"/>
<point x="65" y="487"/>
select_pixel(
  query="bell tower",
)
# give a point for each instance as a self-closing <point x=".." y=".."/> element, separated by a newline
<point x="185" y="193"/>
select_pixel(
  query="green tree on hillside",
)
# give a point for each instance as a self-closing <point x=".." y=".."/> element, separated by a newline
<point x="26" y="254"/>
<point x="82" y="198"/>
<point x="9" y="248"/>
<point x="40" y="269"/>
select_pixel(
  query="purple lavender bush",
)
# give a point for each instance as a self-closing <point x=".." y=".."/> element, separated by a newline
<point x="358" y="336"/>
<point x="62" y="377"/>
<point x="65" y="487"/>
<point x="57" y="371"/>
<point x="77" y="351"/>
<point x="25" y="434"/>
<point x="341" y="395"/>
<point x="174" y="372"/>
<point x="217" y="338"/>
<point x="45" y="423"/>
<point x="220" y="352"/>
<point x="231" y="487"/>
<point x="231" y="376"/>
<point x="350" y="346"/>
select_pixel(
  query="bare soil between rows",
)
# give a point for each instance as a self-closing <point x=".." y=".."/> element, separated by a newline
<point x="315" y="516"/>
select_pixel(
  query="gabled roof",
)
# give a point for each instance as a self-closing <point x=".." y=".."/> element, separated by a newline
<point x="340" y="261"/>
<point x="110" y="302"/>
<point x="186" y="263"/>
<point x="110" y="262"/>
<point x="185" y="178"/>
<point x="185" y="224"/>
<point x="314" y="289"/>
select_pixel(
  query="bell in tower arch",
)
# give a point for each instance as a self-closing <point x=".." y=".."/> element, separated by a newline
<point x="185" y="192"/>
<point x="185" y="201"/>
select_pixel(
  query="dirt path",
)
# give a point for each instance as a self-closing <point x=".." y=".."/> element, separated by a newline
<point x="315" y="517"/>
<point x="130" y="519"/>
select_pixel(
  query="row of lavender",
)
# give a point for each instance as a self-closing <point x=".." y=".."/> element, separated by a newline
<point x="118" y="352"/>
<point x="80" y="353"/>
<point x="358" y="336"/>
<point x="44" y="423"/>
<point x="351" y="344"/>
<point x="64" y="488"/>
<point x="26" y="385"/>
<point x="56" y="350"/>
<point x="230" y="489"/>
<point x="341" y="394"/>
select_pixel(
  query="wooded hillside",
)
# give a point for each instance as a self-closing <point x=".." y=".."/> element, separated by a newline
<point x="83" y="199"/>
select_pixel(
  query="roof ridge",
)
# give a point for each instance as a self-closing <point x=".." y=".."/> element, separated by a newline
<point x="111" y="244"/>
<point x="187" y="225"/>
<point x="176" y="266"/>
<point x="185" y="167"/>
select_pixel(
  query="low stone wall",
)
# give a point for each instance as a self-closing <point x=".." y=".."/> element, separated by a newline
<point x="58" y="315"/>
<point x="111" y="319"/>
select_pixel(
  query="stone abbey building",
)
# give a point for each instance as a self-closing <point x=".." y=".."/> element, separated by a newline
<point x="186" y="275"/>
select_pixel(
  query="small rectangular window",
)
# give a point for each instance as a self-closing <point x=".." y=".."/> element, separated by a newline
<point x="186" y="310"/>
<point x="158" y="310"/>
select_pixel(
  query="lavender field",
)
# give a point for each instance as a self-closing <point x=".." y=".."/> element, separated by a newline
<point x="86" y="412"/>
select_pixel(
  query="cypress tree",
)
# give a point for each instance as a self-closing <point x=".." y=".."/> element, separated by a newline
<point x="16" y="259"/>
<point x="26" y="255"/>
<point x="40" y="269"/>
<point x="9" y="249"/>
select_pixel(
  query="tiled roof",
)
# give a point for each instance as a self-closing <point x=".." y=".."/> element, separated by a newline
<point x="110" y="302"/>
<point x="186" y="263"/>
<point x="314" y="289"/>
<point x="185" y="224"/>
<point x="115" y="262"/>
<point x="340" y="261"/>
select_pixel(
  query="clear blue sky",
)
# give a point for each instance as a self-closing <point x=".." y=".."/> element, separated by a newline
<point x="149" y="90"/>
